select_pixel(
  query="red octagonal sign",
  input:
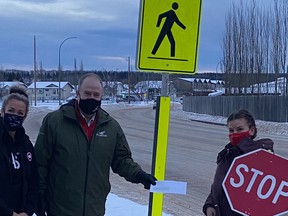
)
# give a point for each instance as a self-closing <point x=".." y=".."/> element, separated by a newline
<point x="257" y="184"/>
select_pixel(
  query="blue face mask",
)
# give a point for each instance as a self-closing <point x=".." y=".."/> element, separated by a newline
<point x="89" y="106"/>
<point x="13" y="122"/>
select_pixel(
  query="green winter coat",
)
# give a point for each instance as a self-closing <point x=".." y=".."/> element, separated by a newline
<point x="74" y="173"/>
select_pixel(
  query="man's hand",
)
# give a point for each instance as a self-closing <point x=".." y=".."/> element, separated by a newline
<point x="210" y="211"/>
<point x="42" y="205"/>
<point x="146" y="179"/>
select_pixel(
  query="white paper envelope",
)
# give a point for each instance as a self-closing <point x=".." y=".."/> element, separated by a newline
<point x="167" y="186"/>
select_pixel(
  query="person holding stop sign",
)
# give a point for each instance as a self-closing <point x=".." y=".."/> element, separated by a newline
<point x="242" y="131"/>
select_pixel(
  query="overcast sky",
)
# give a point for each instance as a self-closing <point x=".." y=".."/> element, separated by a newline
<point x="106" y="32"/>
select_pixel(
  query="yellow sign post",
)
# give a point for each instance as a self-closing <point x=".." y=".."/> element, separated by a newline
<point x="167" y="42"/>
<point x="169" y="35"/>
<point x="160" y="152"/>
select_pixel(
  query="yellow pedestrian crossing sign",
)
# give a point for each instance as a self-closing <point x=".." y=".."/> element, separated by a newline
<point x="168" y="35"/>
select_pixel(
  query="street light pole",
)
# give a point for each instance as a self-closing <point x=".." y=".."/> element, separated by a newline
<point x="35" y="71"/>
<point x="59" y="67"/>
<point x="129" y="80"/>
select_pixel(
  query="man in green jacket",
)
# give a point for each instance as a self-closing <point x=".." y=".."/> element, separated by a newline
<point x="75" y="148"/>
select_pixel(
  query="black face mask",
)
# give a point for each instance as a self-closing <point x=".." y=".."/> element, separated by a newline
<point x="89" y="106"/>
<point x="13" y="122"/>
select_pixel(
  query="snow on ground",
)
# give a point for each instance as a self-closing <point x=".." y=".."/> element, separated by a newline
<point x="117" y="206"/>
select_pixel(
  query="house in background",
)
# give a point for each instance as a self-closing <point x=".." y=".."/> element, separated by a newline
<point x="111" y="89"/>
<point x="148" y="89"/>
<point x="270" y="88"/>
<point x="196" y="86"/>
<point x="5" y="86"/>
<point x="46" y="91"/>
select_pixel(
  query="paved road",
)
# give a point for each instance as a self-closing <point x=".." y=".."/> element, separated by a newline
<point x="192" y="151"/>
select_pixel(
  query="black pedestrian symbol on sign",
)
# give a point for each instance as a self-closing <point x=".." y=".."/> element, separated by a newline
<point x="171" y="17"/>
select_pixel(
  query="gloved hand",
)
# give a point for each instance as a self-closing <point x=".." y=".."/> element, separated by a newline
<point x="146" y="179"/>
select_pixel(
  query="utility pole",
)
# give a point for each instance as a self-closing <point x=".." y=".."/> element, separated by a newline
<point x="128" y="79"/>
<point x="35" y="71"/>
<point x="165" y="83"/>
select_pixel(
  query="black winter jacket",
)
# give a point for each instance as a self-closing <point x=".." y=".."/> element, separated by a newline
<point x="217" y="198"/>
<point x="18" y="189"/>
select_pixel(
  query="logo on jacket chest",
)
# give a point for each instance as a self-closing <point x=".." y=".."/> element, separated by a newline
<point x="29" y="156"/>
<point x="101" y="134"/>
<point x="15" y="160"/>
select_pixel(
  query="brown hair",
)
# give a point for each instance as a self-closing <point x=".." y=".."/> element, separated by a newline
<point x="243" y="113"/>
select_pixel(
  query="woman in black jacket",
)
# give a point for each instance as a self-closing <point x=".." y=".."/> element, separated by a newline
<point x="242" y="131"/>
<point x="18" y="171"/>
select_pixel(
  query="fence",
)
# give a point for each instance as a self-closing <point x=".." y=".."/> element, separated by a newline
<point x="266" y="108"/>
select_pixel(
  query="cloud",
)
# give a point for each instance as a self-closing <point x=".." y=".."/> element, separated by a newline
<point x="120" y="33"/>
<point x="17" y="67"/>
<point x="75" y="10"/>
<point x="57" y="9"/>
<point x="57" y="16"/>
<point x="116" y="58"/>
<point x="105" y="29"/>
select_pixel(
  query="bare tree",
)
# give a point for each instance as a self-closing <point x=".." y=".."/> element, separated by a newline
<point x="283" y="10"/>
<point x="227" y="53"/>
<point x="41" y="71"/>
<point x="251" y="44"/>
<point x="255" y="42"/>
<point x="264" y="40"/>
<point x="276" y="43"/>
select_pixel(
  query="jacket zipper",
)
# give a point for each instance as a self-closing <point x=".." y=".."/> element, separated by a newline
<point x="87" y="165"/>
